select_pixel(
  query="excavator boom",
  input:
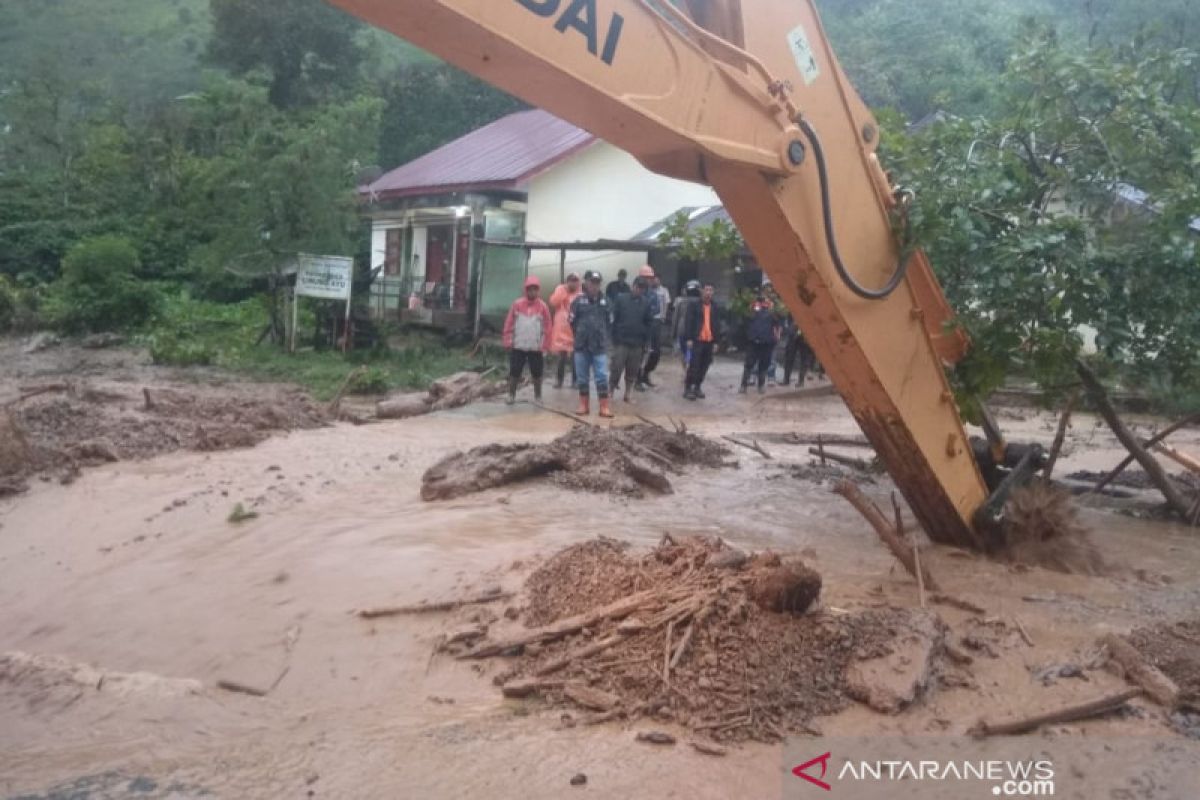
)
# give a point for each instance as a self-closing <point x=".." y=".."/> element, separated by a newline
<point x="748" y="98"/>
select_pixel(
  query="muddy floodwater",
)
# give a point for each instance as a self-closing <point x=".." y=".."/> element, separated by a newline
<point x="136" y="568"/>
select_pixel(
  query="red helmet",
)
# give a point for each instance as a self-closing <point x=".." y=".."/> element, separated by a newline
<point x="532" y="280"/>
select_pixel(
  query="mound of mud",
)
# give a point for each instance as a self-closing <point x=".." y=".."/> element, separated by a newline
<point x="1044" y="530"/>
<point x="83" y="426"/>
<point x="1175" y="649"/>
<point x="624" y="461"/>
<point x="689" y="633"/>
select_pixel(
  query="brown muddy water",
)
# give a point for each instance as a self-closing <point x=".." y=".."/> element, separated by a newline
<point x="135" y="569"/>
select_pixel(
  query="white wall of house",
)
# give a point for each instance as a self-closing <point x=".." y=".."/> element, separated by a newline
<point x="600" y="193"/>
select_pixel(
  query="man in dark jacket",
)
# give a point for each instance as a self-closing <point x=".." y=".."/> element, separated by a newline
<point x="761" y="337"/>
<point x="632" y="320"/>
<point x="617" y="288"/>
<point x="589" y="322"/>
<point x="700" y="333"/>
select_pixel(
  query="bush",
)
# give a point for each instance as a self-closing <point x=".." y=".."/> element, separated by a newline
<point x="98" y="290"/>
<point x="18" y="307"/>
<point x="371" y="380"/>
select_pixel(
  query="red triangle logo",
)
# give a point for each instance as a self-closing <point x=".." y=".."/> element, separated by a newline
<point x="801" y="771"/>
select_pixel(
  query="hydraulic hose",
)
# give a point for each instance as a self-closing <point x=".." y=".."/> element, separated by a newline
<point x="830" y="237"/>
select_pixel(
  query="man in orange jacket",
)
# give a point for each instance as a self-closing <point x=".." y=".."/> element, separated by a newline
<point x="527" y="338"/>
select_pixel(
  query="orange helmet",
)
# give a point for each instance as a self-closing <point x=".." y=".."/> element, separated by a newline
<point x="646" y="272"/>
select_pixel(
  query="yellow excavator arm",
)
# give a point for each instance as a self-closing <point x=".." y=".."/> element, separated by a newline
<point x="747" y="96"/>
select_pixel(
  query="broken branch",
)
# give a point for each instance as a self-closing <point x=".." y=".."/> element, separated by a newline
<point x="1153" y="440"/>
<point x="1154" y="470"/>
<point x="1060" y="436"/>
<point x="887" y="533"/>
<point x="425" y="608"/>
<point x="756" y="447"/>
<point x="849" y="461"/>
<point x="557" y="630"/>
<point x="1091" y="708"/>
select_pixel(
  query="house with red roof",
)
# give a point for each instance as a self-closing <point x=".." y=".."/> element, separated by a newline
<point x="455" y="232"/>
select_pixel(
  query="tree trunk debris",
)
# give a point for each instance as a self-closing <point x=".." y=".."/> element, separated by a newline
<point x="1179" y="457"/>
<point x="1137" y="670"/>
<point x="854" y="463"/>
<point x="491" y="595"/>
<point x="755" y="446"/>
<point x="1153" y="440"/>
<point x="1175" y="499"/>
<point x="1060" y="436"/>
<point x="1091" y="708"/>
<point x="902" y="551"/>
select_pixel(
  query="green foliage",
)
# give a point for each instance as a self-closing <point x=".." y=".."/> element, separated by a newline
<point x="370" y="380"/>
<point x="309" y="49"/>
<point x="715" y="241"/>
<point x="1026" y="218"/>
<point x="190" y="331"/>
<point x="98" y="290"/>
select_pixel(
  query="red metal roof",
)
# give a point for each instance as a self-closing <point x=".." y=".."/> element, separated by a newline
<point x="502" y="155"/>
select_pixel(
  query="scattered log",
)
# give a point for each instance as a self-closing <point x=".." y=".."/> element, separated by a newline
<point x="849" y="461"/>
<point x="241" y="688"/>
<point x="1060" y="436"/>
<point x="403" y="406"/>
<point x="755" y="446"/>
<point x="707" y="748"/>
<point x="1153" y="440"/>
<point x="1024" y="633"/>
<point x="527" y="687"/>
<point x="1175" y="499"/>
<point x="490" y="596"/>
<point x="835" y="439"/>
<point x="887" y="533"/>
<point x="1179" y="457"/>
<point x="587" y="651"/>
<point x="957" y="602"/>
<point x="656" y="737"/>
<point x="701" y="617"/>
<point x="577" y="420"/>
<point x="565" y="627"/>
<point x="590" y="698"/>
<point x="1157" y="686"/>
<point x="1073" y="713"/>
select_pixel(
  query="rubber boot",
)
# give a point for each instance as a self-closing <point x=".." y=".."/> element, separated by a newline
<point x="512" y="391"/>
<point x="605" y="411"/>
<point x="537" y="390"/>
<point x="585" y="405"/>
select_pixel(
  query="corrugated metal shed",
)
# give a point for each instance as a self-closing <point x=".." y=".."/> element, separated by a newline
<point x="502" y="155"/>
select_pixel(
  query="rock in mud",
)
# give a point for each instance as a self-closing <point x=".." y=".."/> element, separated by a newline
<point x="790" y="587"/>
<point x="579" y="780"/>
<point x="891" y="683"/>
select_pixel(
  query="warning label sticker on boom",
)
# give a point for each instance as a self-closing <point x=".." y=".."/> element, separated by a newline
<point x="803" y="53"/>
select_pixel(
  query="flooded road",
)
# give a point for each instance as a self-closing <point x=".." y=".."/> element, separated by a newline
<point x="136" y="569"/>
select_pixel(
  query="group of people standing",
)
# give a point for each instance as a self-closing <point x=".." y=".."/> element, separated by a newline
<point x="619" y="330"/>
<point x="590" y="330"/>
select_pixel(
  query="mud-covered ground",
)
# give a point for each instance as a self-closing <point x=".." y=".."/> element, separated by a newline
<point x="135" y="571"/>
